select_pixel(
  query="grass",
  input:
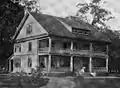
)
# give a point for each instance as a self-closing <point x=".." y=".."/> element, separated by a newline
<point x="80" y="82"/>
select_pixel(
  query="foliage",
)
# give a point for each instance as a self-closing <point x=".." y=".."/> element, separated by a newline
<point x="10" y="17"/>
<point x="99" y="14"/>
<point x="36" y="76"/>
<point x="23" y="77"/>
<point x="114" y="49"/>
<point x="32" y="5"/>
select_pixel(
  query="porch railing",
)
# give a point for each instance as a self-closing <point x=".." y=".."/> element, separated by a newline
<point x="81" y="52"/>
<point x="45" y="49"/>
<point x="55" y="50"/>
<point x="99" y="53"/>
<point x="61" y="51"/>
<point x="69" y="51"/>
<point x="99" y="69"/>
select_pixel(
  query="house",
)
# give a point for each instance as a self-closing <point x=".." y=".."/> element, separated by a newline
<point x="58" y="45"/>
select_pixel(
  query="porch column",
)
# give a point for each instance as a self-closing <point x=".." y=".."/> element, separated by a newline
<point x="107" y="59"/>
<point x="49" y="63"/>
<point x="90" y="60"/>
<point x="50" y="45"/>
<point x="49" y="55"/>
<point x="45" y="61"/>
<point x="71" y="58"/>
<point x="90" y="64"/>
<point x="71" y="63"/>
<point x="107" y="64"/>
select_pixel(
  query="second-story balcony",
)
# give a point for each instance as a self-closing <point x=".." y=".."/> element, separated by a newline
<point x="81" y="52"/>
<point x="43" y="50"/>
<point x="55" y="50"/>
<point x="74" y="52"/>
<point x="61" y="51"/>
<point x="64" y="51"/>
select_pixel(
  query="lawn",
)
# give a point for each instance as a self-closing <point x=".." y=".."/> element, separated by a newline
<point x="67" y="82"/>
<point x="80" y="82"/>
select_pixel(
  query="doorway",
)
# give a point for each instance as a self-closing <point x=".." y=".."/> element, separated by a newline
<point x="11" y="63"/>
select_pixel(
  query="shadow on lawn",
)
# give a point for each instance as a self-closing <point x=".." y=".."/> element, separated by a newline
<point x="80" y="82"/>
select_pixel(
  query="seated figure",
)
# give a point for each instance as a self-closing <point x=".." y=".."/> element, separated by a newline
<point x="82" y="71"/>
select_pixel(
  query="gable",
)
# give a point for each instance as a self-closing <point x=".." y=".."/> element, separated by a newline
<point x="36" y="28"/>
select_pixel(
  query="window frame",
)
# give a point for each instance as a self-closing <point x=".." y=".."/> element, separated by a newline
<point x="80" y="31"/>
<point x="17" y="62"/>
<point x="29" y="62"/>
<point x="17" y="47"/>
<point x="29" y="29"/>
<point x="29" y="46"/>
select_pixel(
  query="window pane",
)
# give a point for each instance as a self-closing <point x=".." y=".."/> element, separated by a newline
<point x="29" y="29"/>
<point x="80" y="31"/>
<point x="29" y="62"/>
<point x="17" y="47"/>
<point x="30" y="46"/>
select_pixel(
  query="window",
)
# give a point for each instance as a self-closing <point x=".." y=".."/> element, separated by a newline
<point x="43" y="61"/>
<point x="43" y="43"/>
<point x="29" y="62"/>
<point x="20" y="49"/>
<point x="80" y="31"/>
<point x="17" y="47"/>
<point x="53" y="44"/>
<point x="64" y="45"/>
<point x="29" y="29"/>
<point x="17" y="62"/>
<point x="60" y="61"/>
<point x="30" y="46"/>
<point x="99" y="62"/>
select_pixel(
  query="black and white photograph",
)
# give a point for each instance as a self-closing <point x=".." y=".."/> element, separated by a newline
<point x="59" y="44"/>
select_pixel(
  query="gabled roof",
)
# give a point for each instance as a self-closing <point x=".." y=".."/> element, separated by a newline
<point x="54" y="27"/>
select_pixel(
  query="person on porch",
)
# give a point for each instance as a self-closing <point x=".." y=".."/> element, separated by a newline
<point x="82" y="71"/>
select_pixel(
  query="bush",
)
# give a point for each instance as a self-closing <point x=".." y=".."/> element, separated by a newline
<point x="36" y="76"/>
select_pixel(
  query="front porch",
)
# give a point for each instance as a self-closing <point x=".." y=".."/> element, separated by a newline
<point x="62" y="64"/>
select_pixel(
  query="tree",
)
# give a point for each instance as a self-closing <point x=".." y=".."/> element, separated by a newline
<point x="31" y="5"/>
<point x="99" y="14"/>
<point x="10" y="16"/>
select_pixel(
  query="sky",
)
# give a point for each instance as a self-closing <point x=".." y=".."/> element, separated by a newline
<point x="65" y="8"/>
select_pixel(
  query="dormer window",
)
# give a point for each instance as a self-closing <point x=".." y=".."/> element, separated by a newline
<point x="80" y="31"/>
<point x="29" y="29"/>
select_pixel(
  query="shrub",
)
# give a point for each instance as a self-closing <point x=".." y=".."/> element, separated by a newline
<point x="36" y="76"/>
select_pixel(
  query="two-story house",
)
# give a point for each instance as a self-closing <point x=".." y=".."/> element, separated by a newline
<point x="58" y="45"/>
